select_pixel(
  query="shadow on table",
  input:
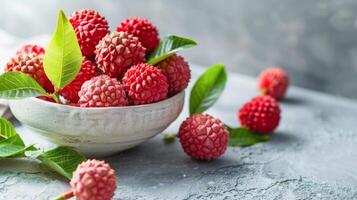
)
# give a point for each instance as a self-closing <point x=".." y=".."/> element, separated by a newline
<point x="156" y="150"/>
<point x="293" y="100"/>
<point x="165" y="162"/>
<point x="284" y="138"/>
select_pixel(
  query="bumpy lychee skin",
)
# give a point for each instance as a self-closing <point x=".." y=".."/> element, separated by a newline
<point x="102" y="91"/>
<point x="177" y="71"/>
<point x="32" y="65"/>
<point x="143" y="29"/>
<point x="93" y="180"/>
<point x="145" y="84"/>
<point x="117" y="51"/>
<point x="274" y="82"/>
<point x="90" y="28"/>
<point x="31" y="48"/>
<point x="203" y="137"/>
<point x="261" y="114"/>
<point x="88" y="71"/>
<point x="44" y="98"/>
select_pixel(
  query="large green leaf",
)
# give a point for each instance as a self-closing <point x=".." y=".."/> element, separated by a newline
<point x="6" y="129"/>
<point x="243" y="137"/>
<point x="63" y="160"/>
<point x="207" y="89"/>
<point x="168" y="46"/>
<point x="13" y="147"/>
<point x="17" y="85"/>
<point x="63" y="57"/>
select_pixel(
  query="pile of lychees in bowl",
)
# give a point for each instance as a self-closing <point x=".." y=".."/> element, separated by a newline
<point x="127" y="86"/>
<point x="113" y="70"/>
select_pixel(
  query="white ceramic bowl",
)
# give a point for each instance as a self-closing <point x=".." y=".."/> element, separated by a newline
<point x="97" y="131"/>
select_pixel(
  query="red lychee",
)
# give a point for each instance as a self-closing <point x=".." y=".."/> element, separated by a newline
<point x="31" y="48"/>
<point x="117" y="51"/>
<point x="143" y="29"/>
<point x="177" y="71"/>
<point x="203" y="137"/>
<point x="145" y="84"/>
<point x="90" y="28"/>
<point x="32" y="65"/>
<point x="102" y="91"/>
<point x="261" y="114"/>
<point x="274" y="82"/>
<point x="93" y="180"/>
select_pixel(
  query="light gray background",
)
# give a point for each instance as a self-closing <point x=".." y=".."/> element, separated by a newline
<point x="314" y="40"/>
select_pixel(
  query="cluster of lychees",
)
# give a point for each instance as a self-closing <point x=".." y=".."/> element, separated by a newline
<point x="113" y="71"/>
<point x="204" y="137"/>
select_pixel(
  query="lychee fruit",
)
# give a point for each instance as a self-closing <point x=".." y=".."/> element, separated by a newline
<point x="74" y="104"/>
<point x="203" y="137"/>
<point x="94" y="180"/>
<point x="117" y="51"/>
<point x="261" y="114"/>
<point x="102" y="91"/>
<point x="274" y="82"/>
<point x="90" y="28"/>
<point x="31" y="48"/>
<point x="143" y="29"/>
<point x="177" y="71"/>
<point x="44" y="98"/>
<point x="145" y="84"/>
<point x="88" y="70"/>
<point x="32" y="65"/>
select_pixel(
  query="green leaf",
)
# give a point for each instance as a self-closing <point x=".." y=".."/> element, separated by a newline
<point x="6" y="129"/>
<point x="207" y="89"/>
<point x="63" y="160"/>
<point x="168" y="46"/>
<point x="63" y="57"/>
<point x="17" y="85"/>
<point x="13" y="147"/>
<point x="14" y="140"/>
<point x="11" y="151"/>
<point x="243" y="137"/>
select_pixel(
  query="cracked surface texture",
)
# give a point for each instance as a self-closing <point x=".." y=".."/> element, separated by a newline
<point x="311" y="156"/>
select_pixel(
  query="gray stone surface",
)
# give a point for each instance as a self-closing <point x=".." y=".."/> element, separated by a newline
<point x="311" y="156"/>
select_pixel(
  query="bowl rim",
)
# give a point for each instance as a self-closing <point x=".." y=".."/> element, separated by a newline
<point x="105" y="108"/>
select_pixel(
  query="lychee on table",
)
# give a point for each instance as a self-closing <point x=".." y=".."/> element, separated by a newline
<point x="312" y="155"/>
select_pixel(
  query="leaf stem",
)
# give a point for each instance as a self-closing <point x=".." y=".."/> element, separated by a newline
<point x="55" y="96"/>
<point x="169" y="138"/>
<point x="65" y="196"/>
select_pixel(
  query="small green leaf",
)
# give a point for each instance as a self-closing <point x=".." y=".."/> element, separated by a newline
<point x="6" y="129"/>
<point x="63" y="57"/>
<point x="168" y="46"/>
<point x="13" y="147"/>
<point x="207" y="89"/>
<point x="63" y="160"/>
<point x="243" y="137"/>
<point x="17" y="85"/>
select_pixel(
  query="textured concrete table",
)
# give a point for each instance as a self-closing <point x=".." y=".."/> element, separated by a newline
<point x="313" y="155"/>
